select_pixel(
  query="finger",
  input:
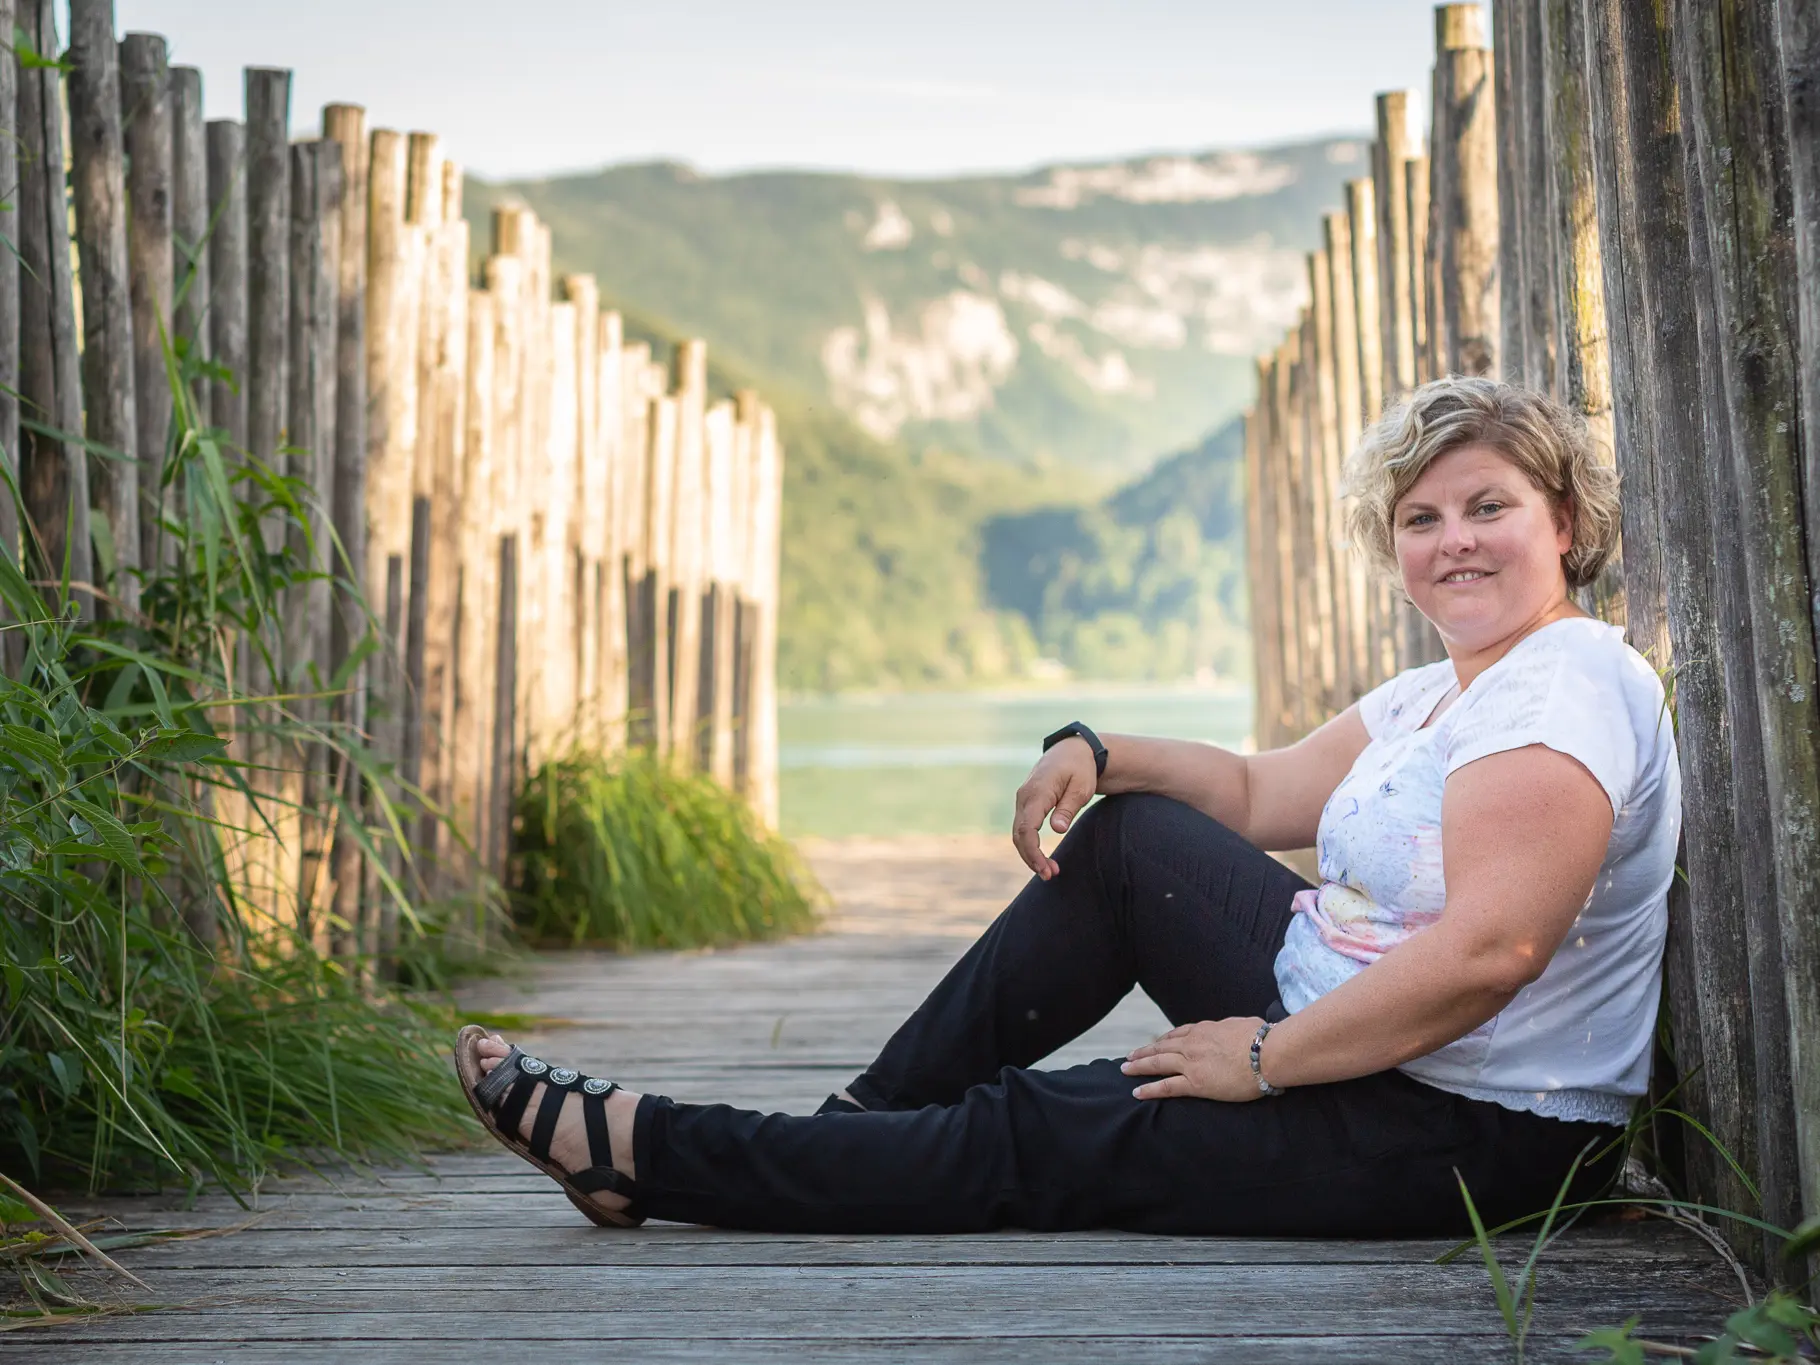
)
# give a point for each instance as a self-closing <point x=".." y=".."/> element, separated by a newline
<point x="1156" y="1044"/>
<point x="1026" y="833"/>
<point x="1076" y="794"/>
<point x="1157" y="1064"/>
<point x="1166" y="1089"/>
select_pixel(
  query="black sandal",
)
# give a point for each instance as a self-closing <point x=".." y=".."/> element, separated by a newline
<point x="499" y="1098"/>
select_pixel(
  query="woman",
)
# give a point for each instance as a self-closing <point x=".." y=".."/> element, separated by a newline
<point x="1468" y="996"/>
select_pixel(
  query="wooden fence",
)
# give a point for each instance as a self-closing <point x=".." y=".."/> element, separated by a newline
<point x="1619" y="205"/>
<point x="554" y="538"/>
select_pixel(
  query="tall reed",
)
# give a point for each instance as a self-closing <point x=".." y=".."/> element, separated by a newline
<point x="628" y="852"/>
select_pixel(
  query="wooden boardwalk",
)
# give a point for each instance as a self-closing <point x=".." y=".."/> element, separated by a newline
<point x="483" y="1261"/>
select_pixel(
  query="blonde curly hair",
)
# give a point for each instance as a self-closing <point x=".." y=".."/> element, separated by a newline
<point x="1545" y="440"/>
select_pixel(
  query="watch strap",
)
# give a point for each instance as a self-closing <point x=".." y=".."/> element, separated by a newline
<point x="1073" y="729"/>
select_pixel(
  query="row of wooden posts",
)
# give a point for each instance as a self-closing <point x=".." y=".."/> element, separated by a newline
<point x="1618" y="204"/>
<point x="556" y="539"/>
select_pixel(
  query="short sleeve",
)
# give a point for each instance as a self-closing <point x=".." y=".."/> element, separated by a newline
<point x="1579" y="698"/>
<point x="1386" y="705"/>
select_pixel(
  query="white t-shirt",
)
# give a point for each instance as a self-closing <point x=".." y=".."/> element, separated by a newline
<point x="1575" y="1043"/>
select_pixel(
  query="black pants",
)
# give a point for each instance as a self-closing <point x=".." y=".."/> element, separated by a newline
<point x="960" y="1137"/>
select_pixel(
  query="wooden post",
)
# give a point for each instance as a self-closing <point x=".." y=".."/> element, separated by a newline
<point x="314" y="276"/>
<point x="1417" y="181"/>
<point x="1671" y="577"/>
<point x="687" y="558"/>
<point x="1395" y="144"/>
<point x="268" y="214"/>
<point x="1304" y="462"/>
<point x="98" y="196"/>
<point x="505" y="281"/>
<point x="1539" y="245"/>
<point x="1507" y="21"/>
<point x="1284" y="478"/>
<point x="1800" y="49"/>
<point x="587" y="530"/>
<point x="145" y="105"/>
<point x="1465" y="158"/>
<point x="1731" y="98"/>
<point x="556" y="693"/>
<point x="1380" y="606"/>
<point x="617" y="447"/>
<point x="394" y="279"/>
<point x="54" y="474"/>
<point x="190" y="213"/>
<point x="767" y="519"/>
<point x="354" y="930"/>
<point x="1324" y="475"/>
<point x="227" y="320"/>
<point x="635" y="487"/>
<point x="1265" y="590"/>
<point x="11" y="652"/>
<point x="719" y="603"/>
<point x="652" y="662"/>
<point x="1583" y="368"/>
<point x="477" y="634"/>
<point x="1350" y="583"/>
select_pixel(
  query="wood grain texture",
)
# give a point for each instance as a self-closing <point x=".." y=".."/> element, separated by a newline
<point x="145" y="111"/>
<point x="98" y="199"/>
<point x="11" y="652"/>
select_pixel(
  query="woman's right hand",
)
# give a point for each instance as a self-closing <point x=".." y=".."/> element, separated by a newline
<point x="1063" y="780"/>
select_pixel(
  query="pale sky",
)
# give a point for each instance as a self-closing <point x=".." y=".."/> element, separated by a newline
<point x="926" y="87"/>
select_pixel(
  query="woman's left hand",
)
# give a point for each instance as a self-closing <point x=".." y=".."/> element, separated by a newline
<point x="1211" y="1059"/>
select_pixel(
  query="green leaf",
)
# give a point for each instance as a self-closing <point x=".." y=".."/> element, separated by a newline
<point x="1616" y="1340"/>
<point x="116" y="844"/>
<point x="29" y="58"/>
<point x="12" y="1211"/>
<point x="182" y="746"/>
<point x="67" y="1071"/>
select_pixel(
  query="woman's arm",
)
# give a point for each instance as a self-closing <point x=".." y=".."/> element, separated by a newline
<point x="1274" y="799"/>
<point x="1523" y="834"/>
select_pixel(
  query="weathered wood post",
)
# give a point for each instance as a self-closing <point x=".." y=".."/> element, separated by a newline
<point x="651" y="678"/>
<point x="641" y="721"/>
<point x="689" y="381"/>
<point x="1418" y="178"/>
<point x="10" y="140"/>
<point x="1799" y="35"/>
<point x="1355" y="605"/>
<point x="227" y="320"/>
<point x="505" y="282"/>
<point x="53" y="465"/>
<point x="1395" y="144"/>
<point x="351" y="910"/>
<point x="1731" y="98"/>
<point x="1323" y="478"/>
<point x="394" y="278"/>
<point x="98" y="197"/>
<point x="618" y="445"/>
<point x="767" y="520"/>
<point x="145" y="105"/>
<point x="190" y="213"/>
<point x="315" y="204"/>
<point x="1284" y="478"/>
<point x="268" y="214"/>
<point x="720" y="600"/>
<point x="1466" y="314"/>
<point x="556" y="578"/>
<point x="477" y="634"/>
<point x="586" y="524"/>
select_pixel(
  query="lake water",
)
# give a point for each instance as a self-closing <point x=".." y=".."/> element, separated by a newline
<point x="950" y="762"/>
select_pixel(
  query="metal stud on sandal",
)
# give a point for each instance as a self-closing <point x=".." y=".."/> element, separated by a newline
<point x="500" y="1097"/>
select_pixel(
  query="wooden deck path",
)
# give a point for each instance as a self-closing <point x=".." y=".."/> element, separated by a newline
<point x="484" y="1261"/>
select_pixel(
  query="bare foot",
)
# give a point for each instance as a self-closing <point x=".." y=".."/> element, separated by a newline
<point x="569" y="1146"/>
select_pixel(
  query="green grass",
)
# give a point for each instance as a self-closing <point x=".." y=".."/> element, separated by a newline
<point x="629" y="853"/>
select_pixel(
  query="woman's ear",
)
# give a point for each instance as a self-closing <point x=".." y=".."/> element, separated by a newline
<point x="1563" y="510"/>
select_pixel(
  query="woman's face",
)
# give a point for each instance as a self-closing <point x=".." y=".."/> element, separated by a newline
<point x="1480" y="547"/>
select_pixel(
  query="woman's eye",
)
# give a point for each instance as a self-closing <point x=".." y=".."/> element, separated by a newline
<point x="1488" y="508"/>
<point x="1419" y="519"/>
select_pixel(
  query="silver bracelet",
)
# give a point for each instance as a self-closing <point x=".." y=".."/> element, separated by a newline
<point x="1257" y="1060"/>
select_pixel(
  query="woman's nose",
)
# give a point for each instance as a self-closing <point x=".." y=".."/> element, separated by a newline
<point x="1457" y="537"/>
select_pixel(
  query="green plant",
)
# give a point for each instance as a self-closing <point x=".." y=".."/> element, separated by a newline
<point x="627" y="852"/>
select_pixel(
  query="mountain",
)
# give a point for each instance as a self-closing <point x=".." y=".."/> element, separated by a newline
<point x="1086" y="315"/>
<point x="963" y="368"/>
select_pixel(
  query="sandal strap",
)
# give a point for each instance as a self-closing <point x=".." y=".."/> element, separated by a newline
<point x="594" y="1114"/>
<point x="549" y="1109"/>
<point x="598" y="1178"/>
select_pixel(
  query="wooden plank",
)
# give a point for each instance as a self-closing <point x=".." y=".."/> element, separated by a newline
<point x="1282" y="468"/>
<point x="1507" y="22"/>
<point x="767" y="521"/>
<point x="268" y="214"/>
<point x="587" y="522"/>
<point x="145" y="106"/>
<point x="1730" y="94"/>
<point x="721" y="598"/>
<point x="98" y="199"/>
<point x="1323" y="465"/>
<point x="651" y="662"/>
<point x="227" y="277"/>
<point x="1418" y="178"/>
<point x="504" y="276"/>
<point x="617" y="444"/>
<point x="551" y="518"/>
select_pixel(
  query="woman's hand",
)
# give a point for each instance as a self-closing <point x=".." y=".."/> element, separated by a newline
<point x="1063" y="780"/>
<point x="1211" y="1060"/>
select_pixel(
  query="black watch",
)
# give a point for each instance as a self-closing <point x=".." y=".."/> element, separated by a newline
<point x="1072" y="728"/>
